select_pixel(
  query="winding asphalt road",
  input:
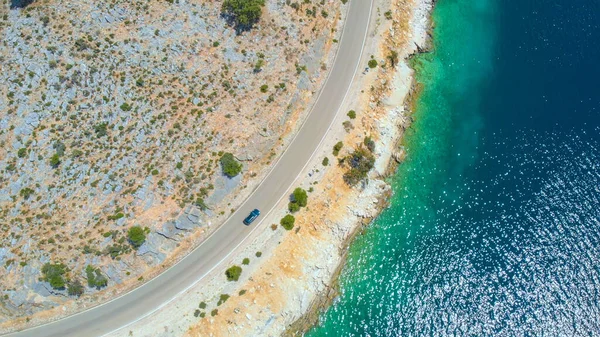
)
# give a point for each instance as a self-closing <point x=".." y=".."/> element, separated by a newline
<point x="154" y="294"/>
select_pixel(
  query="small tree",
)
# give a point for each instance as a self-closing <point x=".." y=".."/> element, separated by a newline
<point x="136" y="236"/>
<point x="351" y="114"/>
<point x="233" y="273"/>
<point x="325" y="161"/>
<point x="242" y="14"/>
<point x="230" y="166"/>
<point x="300" y="197"/>
<point x="287" y="222"/>
<point x="372" y="63"/>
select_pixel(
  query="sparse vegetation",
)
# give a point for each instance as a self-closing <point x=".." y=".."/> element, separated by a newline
<point x="360" y="162"/>
<point x="75" y="288"/>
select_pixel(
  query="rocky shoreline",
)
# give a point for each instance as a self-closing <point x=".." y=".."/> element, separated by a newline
<point x="302" y="286"/>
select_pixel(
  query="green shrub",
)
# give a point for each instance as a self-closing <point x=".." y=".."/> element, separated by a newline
<point x="136" y="236"/>
<point x="222" y="299"/>
<point x="200" y="203"/>
<point x="258" y="65"/>
<point x="351" y="114"/>
<point x="264" y="88"/>
<point x="337" y="147"/>
<point x="26" y="192"/>
<point x="55" y="160"/>
<point x="54" y="274"/>
<point x="101" y="129"/>
<point x="361" y="162"/>
<point x="372" y="63"/>
<point x="202" y="305"/>
<point x="325" y="161"/>
<point x="76" y="153"/>
<point x="287" y="222"/>
<point x="242" y="14"/>
<point x="95" y="279"/>
<point x="22" y="152"/>
<point x="214" y="312"/>
<point x="126" y="107"/>
<point x="258" y="254"/>
<point x="246" y="261"/>
<point x="369" y="143"/>
<point x="293" y="207"/>
<point x="229" y="165"/>
<point x="233" y="273"/>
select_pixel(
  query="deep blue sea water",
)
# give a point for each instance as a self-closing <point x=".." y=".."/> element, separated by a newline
<point x="494" y="227"/>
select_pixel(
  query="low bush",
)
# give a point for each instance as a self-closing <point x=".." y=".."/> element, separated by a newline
<point x="233" y="273"/>
<point x="222" y="299"/>
<point x="75" y="288"/>
<point x="287" y="222"/>
<point x="361" y="162"/>
<point x="54" y="274"/>
<point x="136" y="236"/>
<point x="337" y="147"/>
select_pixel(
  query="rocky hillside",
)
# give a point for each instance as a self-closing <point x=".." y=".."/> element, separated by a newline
<point x="116" y="114"/>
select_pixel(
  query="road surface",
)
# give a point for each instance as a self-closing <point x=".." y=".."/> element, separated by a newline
<point x="149" y="297"/>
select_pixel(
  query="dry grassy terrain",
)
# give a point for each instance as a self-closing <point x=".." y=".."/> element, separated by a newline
<point x="115" y="114"/>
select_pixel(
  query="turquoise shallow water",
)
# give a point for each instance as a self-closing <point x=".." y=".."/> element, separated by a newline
<point x="494" y="227"/>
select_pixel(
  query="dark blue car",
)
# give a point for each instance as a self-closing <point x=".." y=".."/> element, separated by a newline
<point x="251" y="217"/>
